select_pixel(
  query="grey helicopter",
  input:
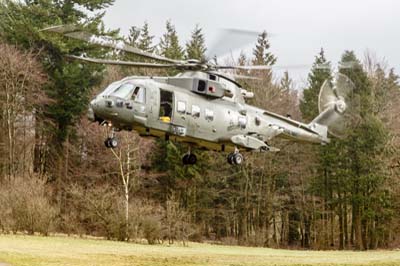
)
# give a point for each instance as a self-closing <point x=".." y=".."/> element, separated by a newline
<point x="202" y="106"/>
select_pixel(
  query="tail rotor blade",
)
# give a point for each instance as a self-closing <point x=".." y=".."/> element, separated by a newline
<point x="337" y="105"/>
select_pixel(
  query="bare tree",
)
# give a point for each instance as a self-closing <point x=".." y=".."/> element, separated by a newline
<point x="126" y="157"/>
<point x="21" y="79"/>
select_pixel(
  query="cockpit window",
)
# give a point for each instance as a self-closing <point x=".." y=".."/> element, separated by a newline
<point x="139" y="95"/>
<point x="123" y="90"/>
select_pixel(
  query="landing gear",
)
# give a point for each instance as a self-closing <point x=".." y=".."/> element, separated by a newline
<point x="230" y="158"/>
<point x="111" y="142"/>
<point x="189" y="158"/>
<point x="235" y="158"/>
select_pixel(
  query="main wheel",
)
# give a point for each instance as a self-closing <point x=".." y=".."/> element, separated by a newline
<point x="237" y="158"/>
<point x="230" y="158"/>
<point x="185" y="159"/>
<point x="113" y="142"/>
<point x="192" y="159"/>
<point x="107" y="142"/>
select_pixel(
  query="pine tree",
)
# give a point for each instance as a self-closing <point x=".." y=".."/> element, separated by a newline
<point x="351" y="172"/>
<point x="286" y="82"/>
<point x="139" y="38"/>
<point x="134" y="36"/>
<point x="145" y="42"/>
<point x="352" y="68"/>
<point x="263" y="88"/>
<point x="195" y="48"/>
<point x="324" y="182"/>
<point x="364" y="145"/>
<point x="242" y="60"/>
<point x="320" y="72"/>
<point x="262" y="55"/>
<point x="169" y="45"/>
<point x="70" y="81"/>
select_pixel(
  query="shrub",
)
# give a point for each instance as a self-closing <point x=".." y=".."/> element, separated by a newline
<point x="24" y="206"/>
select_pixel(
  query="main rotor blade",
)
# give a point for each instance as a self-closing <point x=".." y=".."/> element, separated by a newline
<point x="254" y="67"/>
<point x="347" y="65"/>
<point x="123" y="63"/>
<point x="62" y="28"/>
<point x="73" y="32"/>
<point x="229" y="40"/>
<point x="264" y="67"/>
<point x="261" y="67"/>
<point x="237" y="76"/>
<point x="233" y="75"/>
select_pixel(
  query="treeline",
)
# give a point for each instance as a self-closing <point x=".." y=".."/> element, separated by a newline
<point x="56" y="175"/>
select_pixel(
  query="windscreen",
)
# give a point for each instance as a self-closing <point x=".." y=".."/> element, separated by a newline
<point x="123" y="91"/>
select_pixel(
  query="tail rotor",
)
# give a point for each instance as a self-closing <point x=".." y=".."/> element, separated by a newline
<point x="337" y="105"/>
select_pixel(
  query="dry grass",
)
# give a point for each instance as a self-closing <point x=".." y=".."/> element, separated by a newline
<point x="33" y="250"/>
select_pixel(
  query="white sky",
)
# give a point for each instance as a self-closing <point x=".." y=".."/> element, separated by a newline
<point x="299" y="27"/>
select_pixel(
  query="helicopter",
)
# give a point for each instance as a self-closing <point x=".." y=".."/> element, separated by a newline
<point x="202" y="106"/>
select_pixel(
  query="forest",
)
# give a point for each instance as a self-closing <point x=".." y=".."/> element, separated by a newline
<point x="56" y="175"/>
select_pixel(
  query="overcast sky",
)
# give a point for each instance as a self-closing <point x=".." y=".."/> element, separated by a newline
<point x="299" y="28"/>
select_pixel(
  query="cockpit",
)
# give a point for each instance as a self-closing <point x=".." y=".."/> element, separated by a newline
<point x="139" y="95"/>
<point x="123" y="91"/>
<point x="129" y="91"/>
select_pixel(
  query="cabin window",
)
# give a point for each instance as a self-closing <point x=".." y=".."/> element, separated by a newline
<point x="202" y="86"/>
<point x="242" y="121"/>
<point x="165" y="106"/>
<point x="181" y="107"/>
<point x="195" y="111"/>
<point x="209" y="114"/>
<point x="123" y="90"/>
<point x="139" y="95"/>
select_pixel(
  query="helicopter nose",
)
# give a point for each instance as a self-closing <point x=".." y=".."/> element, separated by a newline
<point x="91" y="110"/>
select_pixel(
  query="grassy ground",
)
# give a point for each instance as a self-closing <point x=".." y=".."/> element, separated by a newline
<point x="34" y="250"/>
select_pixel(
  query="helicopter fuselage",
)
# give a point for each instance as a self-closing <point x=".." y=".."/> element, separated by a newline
<point x="202" y="106"/>
<point x="158" y="107"/>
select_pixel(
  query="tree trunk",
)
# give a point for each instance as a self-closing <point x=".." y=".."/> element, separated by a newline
<point x="341" y="222"/>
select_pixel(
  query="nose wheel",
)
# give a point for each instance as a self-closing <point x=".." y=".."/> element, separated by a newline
<point x="112" y="141"/>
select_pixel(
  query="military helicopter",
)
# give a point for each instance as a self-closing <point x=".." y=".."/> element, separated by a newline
<point x="202" y="106"/>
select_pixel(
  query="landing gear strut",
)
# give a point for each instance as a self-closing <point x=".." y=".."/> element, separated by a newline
<point x="235" y="158"/>
<point x="111" y="142"/>
<point x="189" y="158"/>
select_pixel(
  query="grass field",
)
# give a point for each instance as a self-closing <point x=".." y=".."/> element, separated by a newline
<point x="34" y="250"/>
